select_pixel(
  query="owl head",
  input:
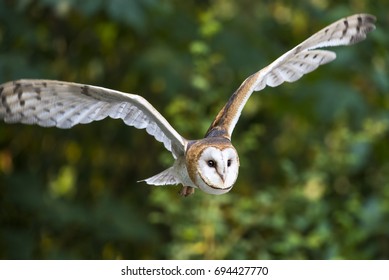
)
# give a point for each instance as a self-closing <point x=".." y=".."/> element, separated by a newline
<point x="213" y="165"/>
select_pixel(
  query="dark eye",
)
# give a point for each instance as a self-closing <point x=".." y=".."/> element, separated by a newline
<point x="229" y="162"/>
<point x="211" y="163"/>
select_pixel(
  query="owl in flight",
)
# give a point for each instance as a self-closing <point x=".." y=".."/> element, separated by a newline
<point x="210" y="164"/>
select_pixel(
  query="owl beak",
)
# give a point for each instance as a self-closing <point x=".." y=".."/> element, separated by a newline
<point x="222" y="175"/>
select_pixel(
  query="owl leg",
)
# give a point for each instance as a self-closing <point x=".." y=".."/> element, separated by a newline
<point x="186" y="191"/>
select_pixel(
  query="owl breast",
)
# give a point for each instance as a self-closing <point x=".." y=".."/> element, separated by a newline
<point x="213" y="165"/>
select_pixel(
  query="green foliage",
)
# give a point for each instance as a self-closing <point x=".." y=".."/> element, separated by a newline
<point x="314" y="176"/>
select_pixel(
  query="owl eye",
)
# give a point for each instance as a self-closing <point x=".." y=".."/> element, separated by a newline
<point x="229" y="163"/>
<point x="211" y="163"/>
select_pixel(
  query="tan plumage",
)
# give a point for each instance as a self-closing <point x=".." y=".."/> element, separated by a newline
<point x="211" y="163"/>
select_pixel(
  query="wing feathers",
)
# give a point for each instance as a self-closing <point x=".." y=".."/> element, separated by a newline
<point x="346" y="31"/>
<point x="61" y="104"/>
<point x="166" y="177"/>
<point x="293" y="65"/>
<point x="297" y="66"/>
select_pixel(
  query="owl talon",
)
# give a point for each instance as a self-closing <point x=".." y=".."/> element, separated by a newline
<point x="186" y="191"/>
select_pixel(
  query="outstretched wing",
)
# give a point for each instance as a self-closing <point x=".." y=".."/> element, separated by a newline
<point x="62" y="104"/>
<point x="293" y="65"/>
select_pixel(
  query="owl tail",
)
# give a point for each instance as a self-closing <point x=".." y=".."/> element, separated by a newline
<point x="166" y="177"/>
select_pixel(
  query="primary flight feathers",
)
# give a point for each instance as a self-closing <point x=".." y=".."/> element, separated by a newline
<point x="62" y="104"/>
<point x="292" y="65"/>
<point x="211" y="163"/>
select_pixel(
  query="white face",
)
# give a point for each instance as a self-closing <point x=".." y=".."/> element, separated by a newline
<point x="217" y="170"/>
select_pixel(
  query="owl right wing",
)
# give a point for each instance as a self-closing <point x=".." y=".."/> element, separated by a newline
<point x="63" y="105"/>
<point x="291" y="66"/>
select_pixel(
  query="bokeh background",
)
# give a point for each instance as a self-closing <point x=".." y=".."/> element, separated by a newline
<point x="314" y="176"/>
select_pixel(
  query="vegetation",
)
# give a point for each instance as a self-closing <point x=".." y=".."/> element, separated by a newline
<point x="314" y="176"/>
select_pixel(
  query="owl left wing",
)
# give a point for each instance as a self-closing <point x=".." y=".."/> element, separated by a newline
<point x="291" y="66"/>
<point x="63" y="105"/>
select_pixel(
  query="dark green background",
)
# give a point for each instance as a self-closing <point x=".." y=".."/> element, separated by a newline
<point x="314" y="176"/>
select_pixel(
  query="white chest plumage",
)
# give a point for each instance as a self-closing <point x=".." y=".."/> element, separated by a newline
<point x="210" y="164"/>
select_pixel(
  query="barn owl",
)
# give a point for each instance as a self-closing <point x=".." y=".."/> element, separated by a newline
<point x="210" y="164"/>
